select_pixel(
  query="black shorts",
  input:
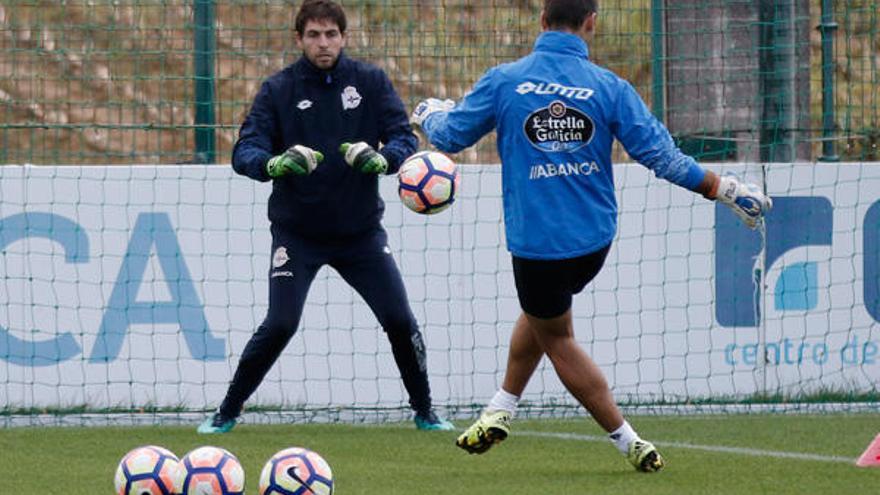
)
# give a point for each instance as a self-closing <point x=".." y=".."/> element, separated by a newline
<point x="545" y="287"/>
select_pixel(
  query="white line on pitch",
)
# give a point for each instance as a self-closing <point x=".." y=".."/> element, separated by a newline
<point x="706" y="448"/>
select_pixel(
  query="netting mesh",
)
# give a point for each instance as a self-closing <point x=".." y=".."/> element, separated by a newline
<point x="133" y="287"/>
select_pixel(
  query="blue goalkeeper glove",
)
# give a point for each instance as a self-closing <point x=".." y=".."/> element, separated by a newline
<point x="297" y="160"/>
<point x="746" y="200"/>
<point x="427" y="107"/>
<point x="363" y="158"/>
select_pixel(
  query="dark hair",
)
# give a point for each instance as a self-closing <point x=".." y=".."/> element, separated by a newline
<point x="313" y="10"/>
<point x="569" y="14"/>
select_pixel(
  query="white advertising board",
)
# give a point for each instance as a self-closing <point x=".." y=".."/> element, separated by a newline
<point x="124" y="286"/>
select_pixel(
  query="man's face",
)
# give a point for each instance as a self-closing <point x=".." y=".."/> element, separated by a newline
<point x="321" y="42"/>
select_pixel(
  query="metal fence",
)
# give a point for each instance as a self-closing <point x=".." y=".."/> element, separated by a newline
<point x="169" y="81"/>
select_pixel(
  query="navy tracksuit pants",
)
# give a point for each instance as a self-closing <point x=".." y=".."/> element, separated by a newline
<point x="366" y="264"/>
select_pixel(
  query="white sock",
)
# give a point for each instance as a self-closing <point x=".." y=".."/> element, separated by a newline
<point x="622" y="437"/>
<point x="504" y="401"/>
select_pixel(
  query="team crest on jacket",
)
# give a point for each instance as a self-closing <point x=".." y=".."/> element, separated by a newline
<point x="350" y="98"/>
<point x="280" y="258"/>
<point x="558" y="127"/>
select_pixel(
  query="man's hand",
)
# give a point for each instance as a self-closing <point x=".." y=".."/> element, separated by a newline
<point x="297" y="160"/>
<point x="427" y="107"/>
<point x="363" y="158"/>
<point x="746" y="200"/>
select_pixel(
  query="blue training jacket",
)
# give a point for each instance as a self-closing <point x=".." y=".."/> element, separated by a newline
<point x="557" y="115"/>
<point x="302" y="104"/>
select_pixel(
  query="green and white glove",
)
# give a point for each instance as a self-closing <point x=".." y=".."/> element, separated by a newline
<point x="297" y="160"/>
<point x="363" y="158"/>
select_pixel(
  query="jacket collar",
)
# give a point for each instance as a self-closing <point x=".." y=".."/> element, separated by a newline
<point x="562" y="42"/>
<point x="308" y="70"/>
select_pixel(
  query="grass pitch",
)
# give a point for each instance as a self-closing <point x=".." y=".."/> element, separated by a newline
<point x="747" y="454"/>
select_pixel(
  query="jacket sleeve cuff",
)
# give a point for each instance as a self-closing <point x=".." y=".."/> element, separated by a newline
<point x="694" y="177"/>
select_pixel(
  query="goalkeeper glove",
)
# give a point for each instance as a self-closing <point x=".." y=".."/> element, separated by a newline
<point x="429" y="106"/>
<point x="297" y="160"/>
<point x="746" y="200"/>
<point x="363" y="158"/>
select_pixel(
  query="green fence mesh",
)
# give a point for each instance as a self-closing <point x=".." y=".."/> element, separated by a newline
<point x="116" y="82"/>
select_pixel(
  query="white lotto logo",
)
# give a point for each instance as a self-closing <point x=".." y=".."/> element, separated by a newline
<point x="572" y="92"/>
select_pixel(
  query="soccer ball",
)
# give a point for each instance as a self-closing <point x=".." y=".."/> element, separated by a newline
<point x="148" y="470"/>
<point x="428" y="182"/>
<point x="211" y="471"/>
<point x="296" y="471"/>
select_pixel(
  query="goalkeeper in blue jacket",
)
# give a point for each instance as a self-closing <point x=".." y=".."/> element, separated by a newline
<point x="314" y="130"/>
<point x="557" y="115"/>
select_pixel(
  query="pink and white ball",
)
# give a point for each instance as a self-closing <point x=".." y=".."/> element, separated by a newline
<point x="148" y="470"/>
<point x="296" y="471"/>
<point x="428" y="182"/>
<point x="211" y="471"/>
